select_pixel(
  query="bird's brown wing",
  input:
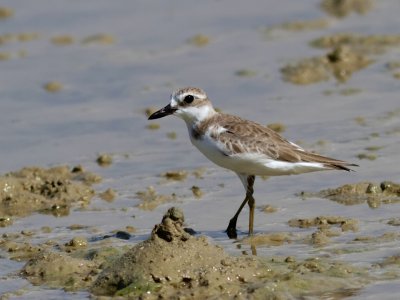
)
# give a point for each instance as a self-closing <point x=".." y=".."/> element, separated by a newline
<point x="241" y="136"/>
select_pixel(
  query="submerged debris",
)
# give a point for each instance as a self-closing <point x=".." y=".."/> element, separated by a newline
<point x="53" y="86"/>
<point x="150" y="199"/>
<point x="197" y="192"/>
<point x="104" y="160"/>
<point x="245" y="73"/>
<point x="99" y="39"/>
<point x="108" y="195"/>
<point x="199" y="40"/>
<point x="176" y="175"/>
<point x="277" y="127"/>
<point x="153" y="126"/>
<point x="62" y="40"/>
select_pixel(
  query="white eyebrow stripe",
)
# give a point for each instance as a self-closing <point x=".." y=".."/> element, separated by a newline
<point x="196" y="95"/>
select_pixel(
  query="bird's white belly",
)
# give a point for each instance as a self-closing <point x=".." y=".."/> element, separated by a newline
<point x="251" y="163"/>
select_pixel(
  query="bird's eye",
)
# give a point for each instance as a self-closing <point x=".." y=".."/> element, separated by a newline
<point x="188" y="99"/>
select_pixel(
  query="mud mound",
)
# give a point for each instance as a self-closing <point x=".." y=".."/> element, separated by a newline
<point x="174" y="263"/>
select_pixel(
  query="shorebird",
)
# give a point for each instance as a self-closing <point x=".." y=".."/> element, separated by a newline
<point x="245" y="147"/>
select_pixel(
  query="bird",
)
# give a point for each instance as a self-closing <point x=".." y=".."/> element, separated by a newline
<point x="245" y="147"/>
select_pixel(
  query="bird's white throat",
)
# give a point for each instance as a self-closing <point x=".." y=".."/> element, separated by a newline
<point x="195" y="114"/>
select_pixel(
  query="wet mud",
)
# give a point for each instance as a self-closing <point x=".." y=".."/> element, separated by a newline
<point x="343" y="8"/>
<point x="172" y="263"/>
<point x="372" y="193"/>
<point x="49" y="191"/>
<point x="348" y="53"/>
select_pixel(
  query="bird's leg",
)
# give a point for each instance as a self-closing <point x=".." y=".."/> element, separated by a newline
<point x="231" y="230"/>
<point x="251" y="202"/>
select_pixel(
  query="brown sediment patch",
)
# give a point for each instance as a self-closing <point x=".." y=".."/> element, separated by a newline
<point x="150" y="199"/>
<point x="344" y="92"/>
<point x="325" y="222"/>
<point x="386" y="237"/>
<point x="199" y="172"/>
<point x="297" y="26"/>
<point x="104" y="160"/>
<point x="19" y="250"/>
<point x="342" y="8"/>
<point x="197" y="192"/>
<point x="360" y="121"/>
<point x="270" y="239"/>
<point x="62" y="40"/>
<point x="268" y="208"/>
<point x="19" y="37"/>
<point x="369" y="156"/>
<point x="35" y="189"/>
<point x="349" y="53"/>
<point x="367" y="44"/>
<point x="153" y="126"/>
<point x="150" y="110"/>
<point x="171" y="135"/>
<point x="374" y="194"/>
<point x="27" y="36"/>
<point x="99" y="39"/>
<point x="6" y="12"/>
<point x="309" y="70"/>
<point x="327" y="227"/>
<point x="277" y="127"/>
<point x="373" y="148"/>
<point x="76" y="243"/>
<point x="341" y="62"/>
<point x="53" y="86"/>
<point x="108" y="195"/>
<point x="245" y="73"/>
<point x="5" y="55"/>
<point x="199" y="40"/>
<point x="305" y="25"/>
<point x="179" y="175"/>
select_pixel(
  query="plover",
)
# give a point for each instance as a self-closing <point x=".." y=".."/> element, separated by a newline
<point x="245" y="147"/>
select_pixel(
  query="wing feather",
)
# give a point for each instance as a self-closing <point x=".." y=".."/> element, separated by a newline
<point x="243" y="136"/>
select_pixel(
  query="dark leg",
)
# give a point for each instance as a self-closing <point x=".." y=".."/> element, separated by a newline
<point x="231" y="230"/>
<point x="251" y="202"/>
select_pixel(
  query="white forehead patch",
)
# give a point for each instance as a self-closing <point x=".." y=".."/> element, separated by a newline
<point x="173" y="102"/>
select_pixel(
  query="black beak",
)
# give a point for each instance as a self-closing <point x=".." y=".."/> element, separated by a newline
<point x="165" y="111"/>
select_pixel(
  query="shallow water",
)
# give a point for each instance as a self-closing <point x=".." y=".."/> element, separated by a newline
<point x="106" y="88"/>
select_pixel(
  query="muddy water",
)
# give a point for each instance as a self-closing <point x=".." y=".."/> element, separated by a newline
<point x="75" y="84"/>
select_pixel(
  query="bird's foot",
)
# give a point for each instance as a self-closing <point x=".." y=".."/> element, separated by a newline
<point x="231" y="230"/>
